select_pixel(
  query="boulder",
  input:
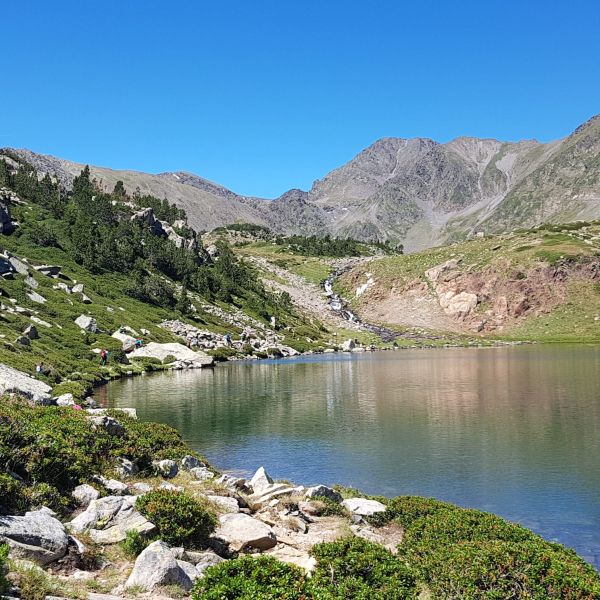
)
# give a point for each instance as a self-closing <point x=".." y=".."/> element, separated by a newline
<point x="49" y="270"/>
<point x="225" y="503"/>
<point x="363" y="506"/>
<point x="7" y="226"/>
<point x="18" y="265"/>
<point x="324" y="492"/>
<point x="189" y="462"/>
<point x="84" y="494"/>
<point x="201" y="473"/>
<point x="35" y="297"/>
<point x="14" y="381"/>
<point x="130" y="412"/>
<point x="87" y="323"/>
<point x="6" y="269"/>
<point x="182" y="354"/>
<point x="348" y="346"/>
<point x="23" y="340"/>
<point x="31" y="282"/>
<point x="127" y="341"/>
<point x="31" y="332"/>
<point x="165" y="485"/>
<point x="165" y="468"/>
<point x="107" y="520"/>
<point x="37" y="535"/>
<point x="85" y="299"/>
<point x="156" y="566"/>
<point x="112" y="486"/>
<point x="260" y="480"/>
<point x="202" y="560"/>
<point x="141" y="488"/>
<point x="109" y="424"/>
<point x="65" y="400"/>
<point x="77" y="288"/>
<point x="126" y="467"/>
<point x="239" y="532"/>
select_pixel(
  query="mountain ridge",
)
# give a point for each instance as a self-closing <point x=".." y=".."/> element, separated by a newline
<point x="414" y="191"/>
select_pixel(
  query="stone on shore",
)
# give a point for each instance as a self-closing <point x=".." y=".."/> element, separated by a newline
<point x="183" y="355"/>
<point x="84" y="494"/>
<point x="323" y="491"/>
<point x="166" y="468"/>
<point x="201" y="473"/>
<point x="363" y="506"/>
<point x="260" y="480"/>
<point x="107" y="520"/>
<point x="157" y="566"/>
<point x="37" y="536"/>
<point x="239" y="532"/>
<point x="189" y="462"/>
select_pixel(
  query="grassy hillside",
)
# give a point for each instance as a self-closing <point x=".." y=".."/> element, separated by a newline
<point x="539" y="284"/>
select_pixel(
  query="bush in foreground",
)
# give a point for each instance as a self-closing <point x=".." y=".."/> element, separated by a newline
<point x="499" y="570"/>
<point x="359" y="569"/>
<point x="3" y="557"/>
<point x="405" y="510"/>
<point x="250" y="578"/>
<point x="181" y="520"/>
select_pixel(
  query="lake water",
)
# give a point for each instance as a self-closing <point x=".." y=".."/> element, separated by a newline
<point x="511" y="430"/>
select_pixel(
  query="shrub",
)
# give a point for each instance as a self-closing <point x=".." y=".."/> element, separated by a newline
<point x="3" y="556"/>
<point x="250" y="578"/>
<point x="11" y="494"/>
<point x="148" y="363"/>
<point x="359" y="569"/>
<point x="407" y="509"/>
<point x="498" y="569"/>
<point x="222" y="354"/>
<point x="181" y="520"/>
<point x="331" y="508"/>
<point x="134" y="543"/>
<point x="78" y="390"/>
<point x="167" y="360"/>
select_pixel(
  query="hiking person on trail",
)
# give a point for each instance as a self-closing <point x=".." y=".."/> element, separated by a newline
<point x="228" y="339"/>
<point x="103" y="357"/>
<point x="138" y="343"/>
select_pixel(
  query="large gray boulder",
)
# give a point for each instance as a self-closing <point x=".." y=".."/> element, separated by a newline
<point x="183" y="355"/>
<point x="238" y="532"/>
<point x="323" y="491"/>
<point x="165" y="468"/>
<point x="37" y="536"/>
<point x="107" y="520"/>
<point x="84" y="494"/>
<point x="14" y="381"/>
<point x="363" y="506"/>
<point x="87" y="323"/>
<point x="157" y="566"/>
<point x="261" y="480"/>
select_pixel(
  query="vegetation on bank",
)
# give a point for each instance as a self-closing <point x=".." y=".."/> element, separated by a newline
<point x="447" y="551"/>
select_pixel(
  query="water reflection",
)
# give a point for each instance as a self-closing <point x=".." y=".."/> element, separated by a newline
<point x="512" y="430"/>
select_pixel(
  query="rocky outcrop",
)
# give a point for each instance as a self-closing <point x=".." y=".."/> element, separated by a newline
<point x="17" y="382"/>
<point x="37" y="536"/>
<point x="107" y="520"/>
<point x="185" y="358"/>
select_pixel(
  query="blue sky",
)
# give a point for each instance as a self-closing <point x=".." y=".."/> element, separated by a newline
<point x="266" y="96"/>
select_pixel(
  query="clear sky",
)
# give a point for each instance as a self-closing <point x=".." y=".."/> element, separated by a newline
<point x="263" y="96"/>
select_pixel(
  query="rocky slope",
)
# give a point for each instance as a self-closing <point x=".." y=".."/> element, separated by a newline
<point x="414" y="191"/>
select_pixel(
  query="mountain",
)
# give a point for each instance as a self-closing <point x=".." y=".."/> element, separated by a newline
<point x="415" y="191"/>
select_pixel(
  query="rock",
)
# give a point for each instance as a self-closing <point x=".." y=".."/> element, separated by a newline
<point x="87" y="323"/>
<point x="156" y="566"/>
<point x="141" y="488"/>
<point x="127" y="341"/>
<point x="18" y="265"/>
<point x="294" y="556"/>
<point x="323" y="491"/>
<point x="165" y="485"/>
<point x="363" y="506"/>
<point x="31" y="332"/>
<point x="17" y="382"/>
<point x="313" y="508"/>
<point x="109" y="424"/>
<point x="62" y="286"/>
<point x="41" y="322"/>
<point x="23" y="340"/>
<point x="49" y="270"/>
<point x="77" y="288"/>
<point x="348" y="346"/>
<point x="189" y="462"/>
<point x="112" y="486"/>
<point x="126" y="467"/>
<point x="201" y="473"/>
<point x="65" y="400"/>
<point x="225" y="503"/>
<point x="458" y="305"/>
<point x="31" y="282"/>
<point x="233" y="483"/>
<point x="260" y="480"/>
<point x="35" y="297"/>
<point x="182" y="354"/>
<point x="37" y="536"/>
<point x="85" y="299"/>
<point x="6" y="269"/>
<point x="84" y="494"/>
<point x="130" y="412"/>
<point x="239" y="532"/>
<point x="202" y="560"/>
<point x="166" y="468"/>
<point x="107" y="520"/>
<point x="189" y="569"/>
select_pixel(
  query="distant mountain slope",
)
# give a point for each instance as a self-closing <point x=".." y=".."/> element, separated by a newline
<point x="414" y="191"/>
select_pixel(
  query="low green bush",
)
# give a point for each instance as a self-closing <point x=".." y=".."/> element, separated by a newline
<point x="134" y="543"/>
<point x="78" y="390"/>
<point x="331" y="508"/>
<point x="456" y="525"/>
<point x="222" y="354"/>
<point x="181" y="519"/>
<point x="497" y="570"/>
<point x="148" y="363"/>
<point x="167" y="360"/>
<point x="3" y="556"/>
<point x="12" y="498"/>
<point x="359" y="569"/>
<point x="251" y="578"/>
<point x="407" y="509"/>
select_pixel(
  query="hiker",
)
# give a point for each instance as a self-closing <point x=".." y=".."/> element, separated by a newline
<point x="103" y="357"/>
<point x="228" y="339"/>
<point x="41" y="369"/>
<point x="138" y="343"/>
